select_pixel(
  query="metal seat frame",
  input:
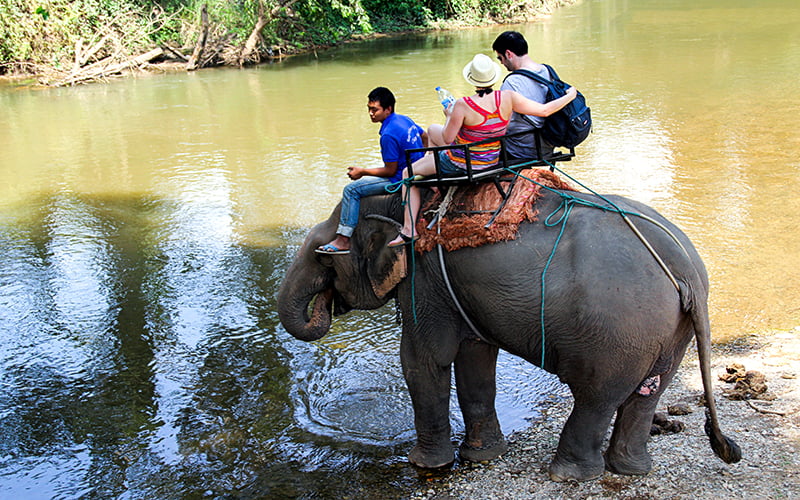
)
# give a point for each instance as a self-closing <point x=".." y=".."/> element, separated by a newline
<point x="498" y="174"/>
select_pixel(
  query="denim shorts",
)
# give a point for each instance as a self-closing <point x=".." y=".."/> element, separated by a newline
<point x="447" y="167"/>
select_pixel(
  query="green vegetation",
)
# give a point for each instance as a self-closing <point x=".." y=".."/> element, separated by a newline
<point x="67" y="35"/>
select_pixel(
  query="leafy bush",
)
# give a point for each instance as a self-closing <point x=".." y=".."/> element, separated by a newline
<point x="389" y="15"/>
<point x="46" y="32"/>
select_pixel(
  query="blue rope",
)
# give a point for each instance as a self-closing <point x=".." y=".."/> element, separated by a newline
<point x="393" y="188"/>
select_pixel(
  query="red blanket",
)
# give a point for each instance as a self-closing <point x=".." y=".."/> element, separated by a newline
<point x="459" y="230"/>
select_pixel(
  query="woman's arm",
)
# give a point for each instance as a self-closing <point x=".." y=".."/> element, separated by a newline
<point x="525" y="106"/>
<point x="455" y="119"/>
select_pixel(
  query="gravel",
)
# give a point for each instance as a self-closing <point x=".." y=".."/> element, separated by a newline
<point x="767" y="427"/>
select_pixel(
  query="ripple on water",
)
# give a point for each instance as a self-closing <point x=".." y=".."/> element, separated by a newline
<point x="377" y="415"/>
<point x="352" y="391"/>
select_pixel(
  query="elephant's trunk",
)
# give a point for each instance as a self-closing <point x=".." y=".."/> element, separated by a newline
<point x="293" y="313"/>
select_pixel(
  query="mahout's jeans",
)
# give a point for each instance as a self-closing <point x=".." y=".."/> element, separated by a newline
<point x="351" y="200"/>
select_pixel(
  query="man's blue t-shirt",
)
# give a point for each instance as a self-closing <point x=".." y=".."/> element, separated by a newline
<point x="398" y="133"/>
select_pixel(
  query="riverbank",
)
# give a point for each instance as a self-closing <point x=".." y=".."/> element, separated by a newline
<point x="161" y="61"/>
<point x="767" y="429"/>
<point x="58" y="49"/>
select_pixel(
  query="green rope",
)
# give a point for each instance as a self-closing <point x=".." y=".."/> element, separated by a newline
<point x="395" y="186"/>
<point x="567" y="204"/>
<point x="563" y="221"/>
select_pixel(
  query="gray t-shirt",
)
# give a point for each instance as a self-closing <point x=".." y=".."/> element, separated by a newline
<point x="523" y="146"/>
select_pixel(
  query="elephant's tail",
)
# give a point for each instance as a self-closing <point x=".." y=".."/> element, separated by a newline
<point x="725" y="447"/>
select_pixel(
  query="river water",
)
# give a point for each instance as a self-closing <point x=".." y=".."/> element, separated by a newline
<point x="145" y="225"/>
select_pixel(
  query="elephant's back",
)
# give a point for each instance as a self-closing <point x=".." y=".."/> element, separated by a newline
<point x="595" y="272"/>
<point x="607" y="229"/>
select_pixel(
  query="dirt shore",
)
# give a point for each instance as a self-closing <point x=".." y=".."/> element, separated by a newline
<point x="767" y="427"/>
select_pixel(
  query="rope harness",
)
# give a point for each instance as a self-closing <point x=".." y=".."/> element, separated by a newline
<point x="559" y="216"/>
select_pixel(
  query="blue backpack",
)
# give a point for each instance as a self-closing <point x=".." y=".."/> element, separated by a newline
<point x="572" y="124"/>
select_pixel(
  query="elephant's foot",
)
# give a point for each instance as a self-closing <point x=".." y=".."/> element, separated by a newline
<point x="628" y="465"/>
<point x="480" y="454"/>
<point x="561" y="470"/>
<point x="431" y="459"/>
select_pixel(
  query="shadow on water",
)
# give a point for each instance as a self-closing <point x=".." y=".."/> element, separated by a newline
<point x="142" y="359"/>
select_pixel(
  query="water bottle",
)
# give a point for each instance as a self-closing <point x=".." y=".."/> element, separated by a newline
<point x="445" y="97"/>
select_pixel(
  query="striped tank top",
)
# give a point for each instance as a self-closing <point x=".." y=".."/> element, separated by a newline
<point x="493" y="125"/>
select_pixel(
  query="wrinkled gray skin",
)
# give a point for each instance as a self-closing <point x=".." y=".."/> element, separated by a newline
<point x="612" y="319"/>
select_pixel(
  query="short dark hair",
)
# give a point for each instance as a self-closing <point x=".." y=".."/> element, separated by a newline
<point x="383" y="96"/>
<point x="510" y="40"/>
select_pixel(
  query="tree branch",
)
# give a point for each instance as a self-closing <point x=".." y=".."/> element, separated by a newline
<point x="201" y="41"/>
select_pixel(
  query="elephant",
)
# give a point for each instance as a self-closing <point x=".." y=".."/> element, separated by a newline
<point x="606" y="318"/>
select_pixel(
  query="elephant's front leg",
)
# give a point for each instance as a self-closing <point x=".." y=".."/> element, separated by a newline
<point x="427" y="374"/>
<point x="475" y="368"/>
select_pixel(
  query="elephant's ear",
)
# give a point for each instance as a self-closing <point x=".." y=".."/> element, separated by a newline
<point x="386" y="267"/>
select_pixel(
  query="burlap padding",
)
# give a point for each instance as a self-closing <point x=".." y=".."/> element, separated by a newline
<point x="459" y="230"/>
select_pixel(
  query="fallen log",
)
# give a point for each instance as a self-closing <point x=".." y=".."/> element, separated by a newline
<point x="96" y="72"/>
<point x="175" y="52"/>
<point x="91" y="51"/>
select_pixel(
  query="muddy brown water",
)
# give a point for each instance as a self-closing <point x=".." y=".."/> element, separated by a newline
<point x="145" y="225"/>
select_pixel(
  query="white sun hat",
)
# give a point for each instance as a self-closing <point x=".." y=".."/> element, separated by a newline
<point x="482" y="71"/>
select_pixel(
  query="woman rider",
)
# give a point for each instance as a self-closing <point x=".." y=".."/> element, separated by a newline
<point x="480" y="116"/>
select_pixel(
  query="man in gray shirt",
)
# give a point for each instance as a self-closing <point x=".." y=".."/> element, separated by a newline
<point x="512" y="52"/>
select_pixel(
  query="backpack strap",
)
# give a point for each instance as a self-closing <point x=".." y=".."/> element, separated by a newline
<point x="538" y="79"/>
<point x="533" y="76"/>
<point x="553" y="74"/>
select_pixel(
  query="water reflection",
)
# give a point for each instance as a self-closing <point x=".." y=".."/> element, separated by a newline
<point x="79" y="349"/>
<point x="142" y="359"/>
<point x="632" y="157"/>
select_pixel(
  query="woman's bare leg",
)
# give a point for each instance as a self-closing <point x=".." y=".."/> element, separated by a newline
<point x="424" y="166"/>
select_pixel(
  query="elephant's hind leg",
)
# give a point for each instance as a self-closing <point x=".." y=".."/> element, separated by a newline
<point x="475" y="368"/>
<point x="627" y="451"/>
<point x="579" y="456"/>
